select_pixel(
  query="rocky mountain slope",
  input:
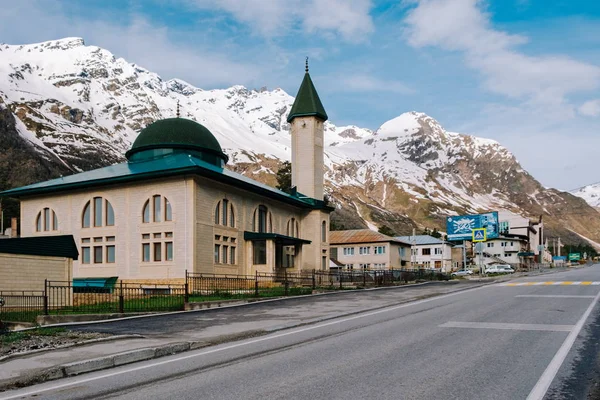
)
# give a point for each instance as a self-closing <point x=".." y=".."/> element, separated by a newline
<point x="590" y="193"/>
<point x="75" y="107"/>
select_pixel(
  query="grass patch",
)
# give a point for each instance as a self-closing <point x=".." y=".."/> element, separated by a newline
<point x="15" y="337"/>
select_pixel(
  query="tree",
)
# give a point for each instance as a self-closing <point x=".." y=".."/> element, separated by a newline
<point x="386" y="230"/>
<point x="284" y="177"/>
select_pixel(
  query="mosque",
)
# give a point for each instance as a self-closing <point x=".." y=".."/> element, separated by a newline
<point x="173" y="207"/>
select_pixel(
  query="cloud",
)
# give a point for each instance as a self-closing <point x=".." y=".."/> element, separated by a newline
<point x="464" y="26"/>
<point x="369" y="83"/>
<point x="150" y="45"/>
<point x="590" y="108"/>
<point x="271" y="18"/>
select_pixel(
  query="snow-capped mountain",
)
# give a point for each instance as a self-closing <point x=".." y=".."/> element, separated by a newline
<point x="590" y="193"/>
<point x="80" y="107"/>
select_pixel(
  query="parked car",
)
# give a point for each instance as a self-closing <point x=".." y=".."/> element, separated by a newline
<point x="462" y="272"/>
<point x="499" y="269"/>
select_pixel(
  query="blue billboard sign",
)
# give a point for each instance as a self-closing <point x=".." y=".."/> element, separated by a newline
<point x="461" y="227"/>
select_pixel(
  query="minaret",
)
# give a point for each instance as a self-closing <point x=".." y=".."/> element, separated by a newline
<point x="306" y="119"/>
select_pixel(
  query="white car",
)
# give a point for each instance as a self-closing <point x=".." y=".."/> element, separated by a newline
<point x="462" y="272"/>
<point x="499" y="269"/>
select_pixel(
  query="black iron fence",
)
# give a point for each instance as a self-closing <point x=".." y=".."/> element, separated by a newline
<point x="63" y="297"/>
<point x="212" y="286"/>
<point x="21" y="306"/>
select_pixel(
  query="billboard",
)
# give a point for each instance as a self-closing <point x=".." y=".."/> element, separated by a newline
<point x="461" y="227"/>
<point x="574" y="256"/>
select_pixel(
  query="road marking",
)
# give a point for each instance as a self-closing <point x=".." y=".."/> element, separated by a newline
<point x="233" y="346"/>
<point x="507" y="326"/>
<point x="551" y="283"/>
<point x="558" y="296"/>
<point x="541" y="387"/>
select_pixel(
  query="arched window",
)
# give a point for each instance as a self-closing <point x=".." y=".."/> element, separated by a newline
<point x="262" y="222"/>
<point x="98" y="212"/>
<point x="293" y="228"/>
<point x="46" y="221"/>
<point x="157" y="209"/>
<point x="324" y="231"/>
<point x="224" y="214"/>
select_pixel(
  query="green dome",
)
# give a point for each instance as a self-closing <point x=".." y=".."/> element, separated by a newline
<point x="175" y="135"/>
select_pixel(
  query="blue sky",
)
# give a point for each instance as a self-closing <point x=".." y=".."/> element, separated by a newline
<point x="523" y="72"/>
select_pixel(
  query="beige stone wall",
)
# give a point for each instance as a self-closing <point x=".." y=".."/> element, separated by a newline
<point x="23" y="272"/>
<point x="127" y="202"/>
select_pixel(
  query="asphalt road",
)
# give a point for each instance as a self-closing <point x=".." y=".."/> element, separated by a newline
<point x="493" y="342"/>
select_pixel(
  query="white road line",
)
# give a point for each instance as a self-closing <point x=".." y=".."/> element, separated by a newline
<point x="541" y="387"/>
<point x="233" y="346"/>
<point x="507" y="326"/>
<point x="558" y="296"/>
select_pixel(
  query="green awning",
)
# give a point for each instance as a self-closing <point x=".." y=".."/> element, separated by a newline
<point x="282" y="239"/>
<point x="95" y="282"/>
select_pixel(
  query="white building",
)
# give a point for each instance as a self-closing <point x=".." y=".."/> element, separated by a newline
<point x="429" y="252"/>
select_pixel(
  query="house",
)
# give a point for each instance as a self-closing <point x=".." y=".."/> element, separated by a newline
<point x="364" y="249"/>
<point x="503" y="250"/>
<point x="172" y="206"/>
<point x="26" y="262"/>
<point x="429" y="252"/>
<point x="514" y="224"/>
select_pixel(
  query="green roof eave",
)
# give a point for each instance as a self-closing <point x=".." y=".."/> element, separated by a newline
<point x="307" y="102"/>
<point x="172" y="165"/>
<point x="283" y="239"/>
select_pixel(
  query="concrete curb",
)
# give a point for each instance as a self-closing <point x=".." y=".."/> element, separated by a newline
<point x="66" y="346"/>
<point x="149" y="353"/>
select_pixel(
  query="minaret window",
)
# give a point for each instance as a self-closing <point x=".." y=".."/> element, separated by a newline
<point x="324" y="231"/>
<point x="293" y="228"/>
<point x="46" y="221"/>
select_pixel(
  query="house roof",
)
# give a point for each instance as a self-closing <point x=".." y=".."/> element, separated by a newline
<point x="171" y="165"/>
<point x="49" y="246"/>
<point x="359" y="236"/>
<point x="307" y="101"/>
<point x="420" y="240"/>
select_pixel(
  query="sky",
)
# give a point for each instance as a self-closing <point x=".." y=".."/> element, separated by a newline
<point x="525" y="73"/>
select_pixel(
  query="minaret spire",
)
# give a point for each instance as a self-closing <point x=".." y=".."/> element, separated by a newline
<point x="306" y="68"/>
<point x="177" y="108"/>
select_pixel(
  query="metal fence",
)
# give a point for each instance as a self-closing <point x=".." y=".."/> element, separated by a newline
<point x="21" y="306"/>
<point x="213" y="286"/>
<point x="63" y="297"/>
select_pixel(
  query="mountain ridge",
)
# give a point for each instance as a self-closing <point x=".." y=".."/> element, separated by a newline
<point x="82" y="107"/>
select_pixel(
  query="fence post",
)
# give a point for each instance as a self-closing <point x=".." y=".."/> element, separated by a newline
<point x="364" y="278"/>
<point x="256" y="283"/>
<point x="45" y="296"/>
<point x="314" y="280"/>
<point x="341" y="278"/>
<point x="121" y="299"/>
<point x="286" y="284"/>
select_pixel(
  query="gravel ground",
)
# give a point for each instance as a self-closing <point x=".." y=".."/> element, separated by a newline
<point x="19" y="342"/>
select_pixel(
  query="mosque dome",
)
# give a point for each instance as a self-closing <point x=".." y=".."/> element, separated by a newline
<point x="176" y="135"/>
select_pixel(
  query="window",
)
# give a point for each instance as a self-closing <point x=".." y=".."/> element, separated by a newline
<point x="364" y="266"/>
<point x="292" y="228"/>
<point x="323" y="263"/>
<point x="153" y="245"/>
<point x="262" y="219"/>
<point x="260" y="252"/>
<point x="85" y="254"/>
<point x="217" y="253"/>
<point x="224" y="214"/>
<point x="159" y="208"/>
<point x="168" y="251"/>
<point x="490" y="244"/>
<point x="97" y="254"/>
<point x="379" y="249"/>
<point x="348" y="251"/>
<point x="232" y="254"/>
<point x="349" y="266"/>
<point x="323" y="231"/>
<point x="157" y="251"/>
<point x="379" y="265"/>
<point x="363" y="250"/>
<point x="102" y="212"/>
<point x="146" y="252"/>
<point x="46" y="221"/>
<point x="110" y="254"/>
<point x="437" y="251"/>
<point x="426" y="252"/>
